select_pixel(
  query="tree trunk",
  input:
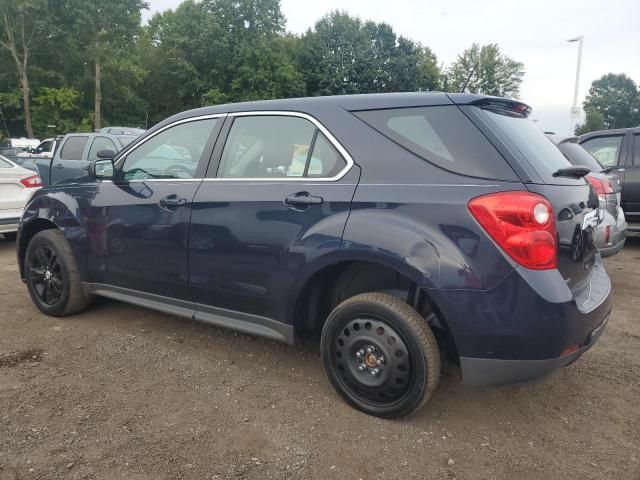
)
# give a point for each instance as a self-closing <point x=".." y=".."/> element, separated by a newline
<point x="98" y="100"/>
<point x="26" y="102"/>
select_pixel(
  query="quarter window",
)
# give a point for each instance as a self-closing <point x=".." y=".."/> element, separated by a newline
<point x="174" y="153"/>
<point x="73" y="148"/>
<point x="605" y="149"/>
<point x="270" y="146"/>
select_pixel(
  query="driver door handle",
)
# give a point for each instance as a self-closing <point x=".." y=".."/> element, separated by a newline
<point x="302" y="199"/>
<point x="172" y="201"/>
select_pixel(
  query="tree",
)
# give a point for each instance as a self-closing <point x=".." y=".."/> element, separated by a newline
<point x="343" y="55"/>
<point x="104" y="31"/>
<point x="616" y="99"/>
<point x="495" y="74"/>
<point x="21" y="25"/>
<point x="593" y="121"/>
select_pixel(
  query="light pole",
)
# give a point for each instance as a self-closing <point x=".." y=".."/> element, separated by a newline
<point x="575" y="111"/>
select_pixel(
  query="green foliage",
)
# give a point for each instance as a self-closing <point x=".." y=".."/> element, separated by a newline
<point x="495" y="74"/>
<point x="616" y="100"/>
<point x="594" y="121"/>
<point x="343" y="55"/>
<point x="56" y="106"/>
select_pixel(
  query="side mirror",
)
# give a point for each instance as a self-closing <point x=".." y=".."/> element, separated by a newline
<point x="102" y="168"/>
<point x="106" y="154"/>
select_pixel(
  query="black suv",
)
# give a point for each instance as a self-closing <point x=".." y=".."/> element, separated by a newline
<point x="619" y="151"/>
<point x="400" y="229"/>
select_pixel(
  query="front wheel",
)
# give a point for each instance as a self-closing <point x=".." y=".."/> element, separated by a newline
<point x="52" y="276"/>
<point x="380" y="355"/>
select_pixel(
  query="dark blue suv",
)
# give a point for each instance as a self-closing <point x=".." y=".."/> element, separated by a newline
<point x="399" y="229"/>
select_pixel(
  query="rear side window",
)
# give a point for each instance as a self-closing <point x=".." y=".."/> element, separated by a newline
<point x="605" y="149"/>
<point x="442" y="135"/>
<point x="4" y="163"/>
<point x="73" y="148"/>
<point x="636" y="159"/>
<point x="268" y="146"/>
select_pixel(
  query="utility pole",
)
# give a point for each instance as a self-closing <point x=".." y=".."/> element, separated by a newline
<point x="575" y="110"/>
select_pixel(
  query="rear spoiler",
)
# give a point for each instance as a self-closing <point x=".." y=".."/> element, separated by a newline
<point x="504" y="106"/>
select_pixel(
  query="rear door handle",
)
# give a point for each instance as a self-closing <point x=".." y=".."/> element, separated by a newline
<point x="302" y="199"/>
<point x="172" y="201"/>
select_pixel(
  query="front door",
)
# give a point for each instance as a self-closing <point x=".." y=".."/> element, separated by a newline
<point x="275" y="207"/>
<point x="138" y="224"/>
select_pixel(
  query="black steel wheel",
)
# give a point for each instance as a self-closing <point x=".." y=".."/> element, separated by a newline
<point x="52" y="277"/>
<point x="380" y="355"/>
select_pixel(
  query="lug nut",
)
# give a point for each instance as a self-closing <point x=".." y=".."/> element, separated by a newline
<point x="380" y="361"/>
<point x="375" y="371"/>
<point x="369" y="350"/>
<point x="359" y="353"/>
<point x="362" y="367"/>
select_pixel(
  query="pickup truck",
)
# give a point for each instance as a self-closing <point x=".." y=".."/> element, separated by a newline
<point x="44" y="150"/>
<point x="74" y="153"/>
<point x="619" y="152"/>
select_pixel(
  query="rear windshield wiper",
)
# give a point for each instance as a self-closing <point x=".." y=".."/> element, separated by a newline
<point x="577" y="171"/>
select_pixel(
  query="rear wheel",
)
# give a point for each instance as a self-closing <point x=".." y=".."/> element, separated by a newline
<point x="52" y="275"/>
<point x="380" y="355"/>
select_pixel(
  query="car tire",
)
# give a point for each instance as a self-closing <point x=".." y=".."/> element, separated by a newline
<point x="52" y="276"/>
<point x="380" y="355"/>
<point x="11" y="236"/>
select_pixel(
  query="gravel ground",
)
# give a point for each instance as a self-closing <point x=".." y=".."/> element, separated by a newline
<point x="123" y="392"/>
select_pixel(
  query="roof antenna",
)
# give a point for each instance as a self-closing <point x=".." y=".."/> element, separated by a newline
<point x="464" y="87"/>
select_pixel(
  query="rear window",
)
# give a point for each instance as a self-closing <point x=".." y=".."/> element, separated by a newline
<point x="126" y="139"/>
<point x="532" y="143"/>
<point x="5" y="163"/>
<point x="579" y="156"/>
<point x="442" y="135"/>
<point x="605" y="149"/>
<point x="73" y="148"/>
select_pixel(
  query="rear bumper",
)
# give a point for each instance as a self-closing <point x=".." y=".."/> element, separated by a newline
<point x="495" y="372"/>
<point x="527" y="326"/>
<point x="9" y="224"/>
<point x="613" y="249"/>
<point x="617" y="234"/>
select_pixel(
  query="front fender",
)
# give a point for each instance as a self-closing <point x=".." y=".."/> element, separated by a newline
<point x="64" y="209"/>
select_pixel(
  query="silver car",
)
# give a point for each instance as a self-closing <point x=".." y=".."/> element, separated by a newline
<point x="17" y="184"/>
<point x="611" y="234"/>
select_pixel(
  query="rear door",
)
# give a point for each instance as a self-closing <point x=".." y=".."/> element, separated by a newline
<point x="274" y="208"/>
<point x="71" y="161"/>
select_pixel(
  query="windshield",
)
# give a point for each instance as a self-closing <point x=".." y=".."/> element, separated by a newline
<point x="579" y="156"/>
<point x="532" y="143"/>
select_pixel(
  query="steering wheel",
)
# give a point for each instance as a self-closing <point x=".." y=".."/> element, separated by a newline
<point x="173" y="170"/>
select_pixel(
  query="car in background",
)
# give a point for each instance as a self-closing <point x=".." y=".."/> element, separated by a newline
<point x="44" y="150"/>
<point x="17" y="184"/>
<point x="619" y="152"/>
<point x="611" y="234"/>
<point x="396" y="228"/>
<point x="122" y="131"/>
<point x="23" y="143"/>
<point x="74" y="154"/>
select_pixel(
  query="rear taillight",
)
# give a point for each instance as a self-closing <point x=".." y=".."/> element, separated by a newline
<point x="602" y="187"/>
<point x="31" y="182"/>
<point x="522" y="224"/>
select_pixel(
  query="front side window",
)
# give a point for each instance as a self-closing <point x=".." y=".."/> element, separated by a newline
<point x="101" y="143"/>
<point x="73" y="148"/>
<point x="45" y="146"/>
<point x="605" y="149"/>
<point x="270" y="146"/>
<point x="174" y="153"/>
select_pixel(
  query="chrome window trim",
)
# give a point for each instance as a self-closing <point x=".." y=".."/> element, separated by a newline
<point x="127" y="151"/>
<point x="284" y="113"/>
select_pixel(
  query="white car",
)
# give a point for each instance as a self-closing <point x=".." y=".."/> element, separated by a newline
<point x="17" y="184"/>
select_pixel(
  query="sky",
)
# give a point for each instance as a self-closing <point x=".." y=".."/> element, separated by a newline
<point x="534" y="32"/>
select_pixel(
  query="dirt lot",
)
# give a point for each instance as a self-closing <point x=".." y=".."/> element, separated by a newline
<point x="122" y="392"/>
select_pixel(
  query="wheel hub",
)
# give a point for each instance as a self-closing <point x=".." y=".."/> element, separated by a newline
<point x="370" y="360"/>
